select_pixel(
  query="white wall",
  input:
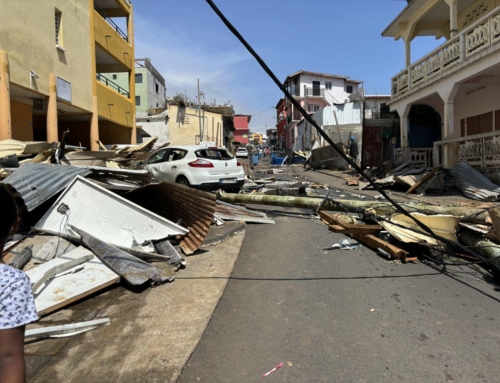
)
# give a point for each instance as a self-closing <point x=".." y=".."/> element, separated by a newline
<point x="338" y="91"/>
<point x="155" y="100"/>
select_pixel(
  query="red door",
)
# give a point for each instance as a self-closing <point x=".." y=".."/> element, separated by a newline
<point x="373" y="146"/>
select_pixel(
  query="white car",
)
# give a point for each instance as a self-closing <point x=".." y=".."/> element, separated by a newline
<point x="199" y="166"/>
<point x="242" y="152"/>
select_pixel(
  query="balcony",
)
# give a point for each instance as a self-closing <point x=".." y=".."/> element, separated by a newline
<point x="113" y="44"/>
<point x="112" y="85"/>
<point x="479" y="40"/>
<point x="315" y="92"/>
<point x="110" y="21"/>
<point x="114" y="106"/>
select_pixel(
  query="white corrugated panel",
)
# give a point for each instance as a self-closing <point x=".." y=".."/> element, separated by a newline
<point x="349" y="113"/>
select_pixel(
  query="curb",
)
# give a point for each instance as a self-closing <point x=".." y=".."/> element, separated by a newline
<point x="218" y="234"/>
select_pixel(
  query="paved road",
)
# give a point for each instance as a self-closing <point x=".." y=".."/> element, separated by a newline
<point x="345" y="316"/>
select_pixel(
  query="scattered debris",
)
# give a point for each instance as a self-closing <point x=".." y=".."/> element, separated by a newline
<point x="130" y="268"/>
<point x="344" y="244"/>
<point x="228" y="212"/>
<point x="66" y="329"/>
<point x="66" y="289"/>
<point x="273" y="370"/>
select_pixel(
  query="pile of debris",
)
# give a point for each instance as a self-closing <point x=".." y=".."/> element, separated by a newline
<point x="457" y="231"/>
<point x="85" y="227"/>
<point x="421" y="179"/>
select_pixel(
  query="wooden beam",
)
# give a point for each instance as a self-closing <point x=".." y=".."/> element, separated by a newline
<point x="376" y="243"/>
<point x="423" y="180"/>
<point x="349" y="228"/>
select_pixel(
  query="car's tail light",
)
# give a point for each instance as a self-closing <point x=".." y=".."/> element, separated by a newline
<point x="238" y="163"/>
<point x="201" y="164"/>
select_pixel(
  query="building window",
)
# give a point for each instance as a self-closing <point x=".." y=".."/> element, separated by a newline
<point x="348" y="89"/>
<point x="138" y="78"/>
<point x="114" y="77"/>
<point x="157" y="88"/>
<point x="312" y="108"/>
<point x="328" y="85"/>
<point x="58" y="16"/>
<point x="137" y="100"/>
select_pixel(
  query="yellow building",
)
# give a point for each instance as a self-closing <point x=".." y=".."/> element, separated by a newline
<point x="184" y="126"/>
<point x="52" y="54"/>
<point x="255" y="138"/>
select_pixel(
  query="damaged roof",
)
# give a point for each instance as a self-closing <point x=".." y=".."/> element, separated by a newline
<point x="36" y="183"/>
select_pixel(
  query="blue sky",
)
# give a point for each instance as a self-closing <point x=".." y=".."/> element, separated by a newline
<point x="186" y="40"/>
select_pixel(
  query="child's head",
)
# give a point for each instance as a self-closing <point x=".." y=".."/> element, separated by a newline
<point x="8" y="212"/>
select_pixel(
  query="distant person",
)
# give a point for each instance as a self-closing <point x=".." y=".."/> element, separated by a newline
<point x="353" y="150"/>
<point x="17" y="306"/>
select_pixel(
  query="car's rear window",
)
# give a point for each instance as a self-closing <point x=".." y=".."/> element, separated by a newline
<point x="214" y="154"/>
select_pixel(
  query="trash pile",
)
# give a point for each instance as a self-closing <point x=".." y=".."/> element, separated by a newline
<point x="89" y="220"/>
<point x="417" y="177"/>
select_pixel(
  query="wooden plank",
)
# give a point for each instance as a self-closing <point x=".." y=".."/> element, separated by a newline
<point x="350" y="228"/>
<point x="66" y="289"/>
<point x="423" y="180"/>
<point x="336" y="228"/>
<point x="377" y="243"/>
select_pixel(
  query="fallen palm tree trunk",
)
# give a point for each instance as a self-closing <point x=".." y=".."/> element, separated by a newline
<point x="482" y="246"/>
<point x="381" y="208"/>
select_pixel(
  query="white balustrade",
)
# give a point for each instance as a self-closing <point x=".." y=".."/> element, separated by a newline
<point x="481" y="35"/>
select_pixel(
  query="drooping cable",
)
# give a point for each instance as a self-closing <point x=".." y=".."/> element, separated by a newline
<point x="320" y="131"/>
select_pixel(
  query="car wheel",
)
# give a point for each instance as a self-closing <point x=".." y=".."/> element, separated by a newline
<point x="182" y="181"/>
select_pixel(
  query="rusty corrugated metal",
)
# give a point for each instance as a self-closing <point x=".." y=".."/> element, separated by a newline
<point x="190" y="208"/>
<point x="36" y="183"/>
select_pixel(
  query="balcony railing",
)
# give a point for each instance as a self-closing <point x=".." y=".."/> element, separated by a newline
<point x="113" y="85"/>
<point x="481" y="35"/>
<point x="111" y="22"/>
<point x="315" y="92"/>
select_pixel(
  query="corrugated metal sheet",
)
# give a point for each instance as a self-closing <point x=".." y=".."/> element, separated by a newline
<point x="228" y="212"/>
<point x="347" y="114"/>
<point x="36" y="183"/>
<point x="473" y="184"/>
<point x="190" y="208"/>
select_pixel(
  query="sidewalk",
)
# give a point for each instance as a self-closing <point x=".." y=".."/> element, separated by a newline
<point x="152" y="334"/>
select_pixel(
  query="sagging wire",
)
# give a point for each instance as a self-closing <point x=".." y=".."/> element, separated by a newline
<point x="309" y="119"/>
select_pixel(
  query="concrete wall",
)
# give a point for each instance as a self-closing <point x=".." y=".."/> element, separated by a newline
<point x="22" y="121"/>
<point x="242" y="131"/>
<point x="475" y="10"/>
<point x="156" y="126"/>
<point x="27" y="34"/>
<point x="111" y="133"/>
<point x="183" y="126"/>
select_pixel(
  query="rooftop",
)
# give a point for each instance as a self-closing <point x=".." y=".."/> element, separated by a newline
<point x="323" y="75"/>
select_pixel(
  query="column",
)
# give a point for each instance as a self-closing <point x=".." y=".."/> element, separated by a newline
<point x="52" y="130"/>
<point x="450" y="151"/>
<point x="94" y="125"/>
<point x="404" y="128"/>
<point x="407" y="52"/>
<point x="5" y="116"/>
<point x="453" y="17"/>
<point x="133" y="134"/>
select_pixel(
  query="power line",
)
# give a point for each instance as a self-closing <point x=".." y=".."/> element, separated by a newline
<point x="253" y="115"/>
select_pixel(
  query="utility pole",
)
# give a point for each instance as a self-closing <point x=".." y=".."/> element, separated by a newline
<point x="199" y="111"/>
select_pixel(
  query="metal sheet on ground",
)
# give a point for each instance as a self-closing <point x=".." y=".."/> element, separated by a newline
<point x="106" y="216"/>
<point x="68" y="288"/>
<point x="228" y="212"/>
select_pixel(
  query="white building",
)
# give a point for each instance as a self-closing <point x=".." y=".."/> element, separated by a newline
<point x="459" y="81"/>
<point x="316" y="91"/>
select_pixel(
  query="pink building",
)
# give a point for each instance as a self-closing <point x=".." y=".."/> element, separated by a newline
<point x="242" y="131"/>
